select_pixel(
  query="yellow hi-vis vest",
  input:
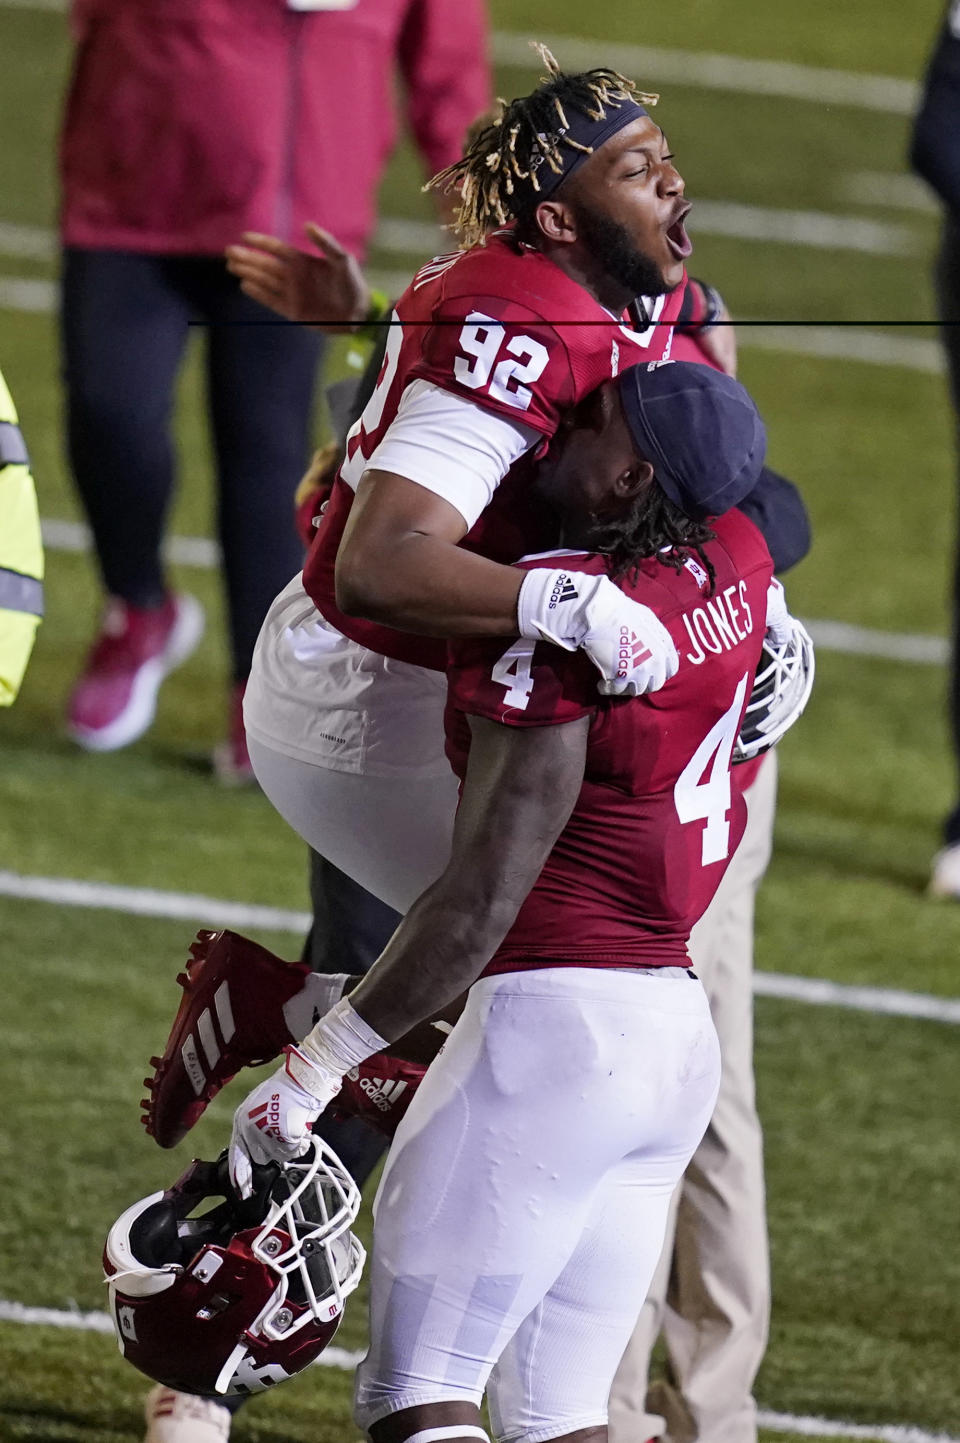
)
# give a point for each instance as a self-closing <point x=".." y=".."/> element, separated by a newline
<point x="21" y="553"/>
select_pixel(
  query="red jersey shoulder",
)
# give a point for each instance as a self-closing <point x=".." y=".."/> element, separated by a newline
<point x="742" y="540"/>
<point x="492" y="333"/>
<point x="508" y="328"/>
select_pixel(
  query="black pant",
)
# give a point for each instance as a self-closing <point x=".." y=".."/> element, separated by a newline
<point x="350" y="929"/>
<point x="125" y="324"/>
<point x="947" y="278"/>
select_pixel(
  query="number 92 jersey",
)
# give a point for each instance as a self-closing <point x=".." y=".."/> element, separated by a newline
<point x="504" y="328"/>
<point x="659" y="815"/>
<point x="511" y="331"/>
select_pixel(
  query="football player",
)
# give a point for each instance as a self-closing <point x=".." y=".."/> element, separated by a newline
<point x="572" y="208"/>
<point x="522" y="1208"/>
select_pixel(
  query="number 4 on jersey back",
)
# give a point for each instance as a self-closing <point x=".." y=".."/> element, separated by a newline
<point x="702" y="790"/>
<point x="513" y="671"/>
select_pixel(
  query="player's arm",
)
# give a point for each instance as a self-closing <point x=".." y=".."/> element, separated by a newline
<point x="399" y="563"/>
<point x="520" y="788"/>
<point x="430" y="476"/>
<point x="476" y="400"/>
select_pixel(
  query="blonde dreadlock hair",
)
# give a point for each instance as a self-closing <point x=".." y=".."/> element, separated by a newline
<point x="497" y="175"/>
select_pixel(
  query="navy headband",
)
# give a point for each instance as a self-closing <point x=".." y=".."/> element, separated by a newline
<point x="575" y="143"/>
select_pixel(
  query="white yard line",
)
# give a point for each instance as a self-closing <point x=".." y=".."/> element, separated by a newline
<point x="840" y="636"/>
<point x="18" y="294"/>
<point x="55" y="1318"/>
<point x="655" y="66"/>
<point x="149" y="902"/>
<point x="833" y="1428"/>
<point x="807" y="228"/>
<point x="888" y="1001"/>
<point x="896" y="192"/>
<point x="28" y="242"/>
<point x="196" y="551"/>
<point x="345" y="1360"/>
<point x="851" y="640"/>
<point x="217" y="912"/>
<point x="842" y="343"/>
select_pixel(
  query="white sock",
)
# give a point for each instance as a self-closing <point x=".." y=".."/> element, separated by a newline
<point x="453" y="1430"/>
<point x="319" y="993"/>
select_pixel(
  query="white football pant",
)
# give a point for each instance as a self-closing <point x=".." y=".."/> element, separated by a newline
<point x="523" y="1205"/>
<point x="391" y="834"/>
<point x="348" y="746"/>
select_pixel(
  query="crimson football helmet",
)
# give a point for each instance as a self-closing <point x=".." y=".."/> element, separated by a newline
<point x="781" y="689"/>
<point x="213" y="1295"/>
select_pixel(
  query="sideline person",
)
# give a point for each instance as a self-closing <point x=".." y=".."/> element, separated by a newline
<point x="21" y="552"/>
<point x="186" y="125"/>
<point x="935" y="155"/>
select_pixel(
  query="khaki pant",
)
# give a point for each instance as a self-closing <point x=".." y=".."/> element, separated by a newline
<point x="710" y="1296"/>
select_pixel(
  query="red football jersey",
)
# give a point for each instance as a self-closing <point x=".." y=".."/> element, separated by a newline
<point x="508" y="330"/>
<point x="657" y="819"/>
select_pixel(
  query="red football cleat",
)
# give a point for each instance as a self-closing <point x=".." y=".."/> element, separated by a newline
<point x="230" y="1016"/>
<point x="379" y="1091"/>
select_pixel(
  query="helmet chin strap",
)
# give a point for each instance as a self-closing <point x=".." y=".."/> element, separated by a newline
<point x="229" y="1368"/>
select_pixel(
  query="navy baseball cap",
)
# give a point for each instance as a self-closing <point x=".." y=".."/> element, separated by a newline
<point x="699" y="428"/>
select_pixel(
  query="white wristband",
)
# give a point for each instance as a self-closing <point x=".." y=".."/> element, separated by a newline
<point x="339" y="1041"/>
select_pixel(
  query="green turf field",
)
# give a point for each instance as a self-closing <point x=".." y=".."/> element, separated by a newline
<point x="860" y="1109"/>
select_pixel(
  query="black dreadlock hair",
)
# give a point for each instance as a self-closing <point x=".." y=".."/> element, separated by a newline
<point x="654" y="526"/>
<point x="524" y="136"/>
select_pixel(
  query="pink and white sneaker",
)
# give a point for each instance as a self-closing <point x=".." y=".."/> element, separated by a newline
<point x="115" y="699"/>
<point x="231" y="1016"/>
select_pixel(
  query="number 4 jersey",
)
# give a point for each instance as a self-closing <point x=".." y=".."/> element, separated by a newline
<point x="659" y="815"/>
<point x="504" y="329"/>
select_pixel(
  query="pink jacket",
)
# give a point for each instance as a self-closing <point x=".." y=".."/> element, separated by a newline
<point x="189" y="121"/>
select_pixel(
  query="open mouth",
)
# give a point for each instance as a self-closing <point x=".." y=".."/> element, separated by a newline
<point x="679" y="243"/>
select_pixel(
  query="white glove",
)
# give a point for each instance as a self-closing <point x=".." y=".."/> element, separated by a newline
<point x="780" y="624"/>
<point x="632" y="650"/>
<point x="273" y="1122"/>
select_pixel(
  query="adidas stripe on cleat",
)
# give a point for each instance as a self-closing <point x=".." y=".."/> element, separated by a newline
<point x="230" y="1017"/>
